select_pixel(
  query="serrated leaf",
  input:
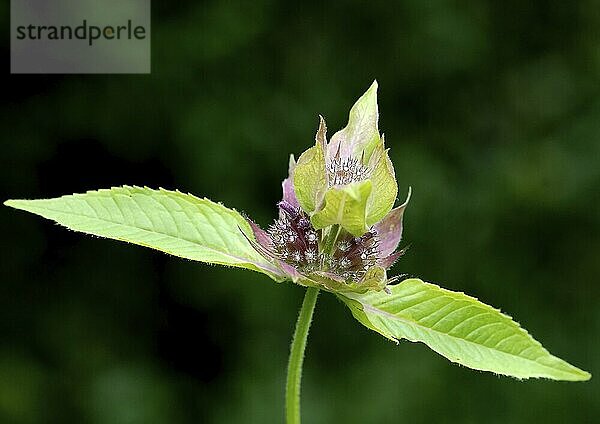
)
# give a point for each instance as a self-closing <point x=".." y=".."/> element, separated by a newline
<point x="170" y="221"/>
<point x="309" y="177"/>
<point x="346" y="206"/>
<point x="460" y="328"/>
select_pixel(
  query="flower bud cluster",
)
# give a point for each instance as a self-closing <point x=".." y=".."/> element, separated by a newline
<point x="295" y="242"/>
<point x="345" y="171"/>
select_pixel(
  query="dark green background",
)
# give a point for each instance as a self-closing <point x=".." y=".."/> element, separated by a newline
<point x="492" y="113"/>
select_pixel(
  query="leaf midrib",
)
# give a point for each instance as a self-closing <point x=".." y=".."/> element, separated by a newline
<point x="413" y="322"/>
<point x="153" y="232"/>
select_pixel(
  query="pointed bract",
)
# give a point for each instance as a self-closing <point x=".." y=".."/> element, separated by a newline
<point x="389" y="229"/>
<point x="385" y="187"/>
<point x="361" y="134"/>
<point x="289" y="194"/>
<point x="327" y="176"/>
<point x="391" y="259"/>
<point x="345" y="206"/>
<point x="309" y="177"/>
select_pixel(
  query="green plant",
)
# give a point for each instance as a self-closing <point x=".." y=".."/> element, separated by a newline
<point x="337" y="231"/>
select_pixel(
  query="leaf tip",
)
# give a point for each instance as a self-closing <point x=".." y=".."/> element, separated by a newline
<point x="321" y="136"/>
<point x="14" y="203"/>
<point x="371" y="93"/>
<point x="405" y="203"/>
<point x="583" y="375"/>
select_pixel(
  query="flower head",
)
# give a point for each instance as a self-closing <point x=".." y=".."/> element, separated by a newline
<point x="345" y="171"/>
<point x="294" y="241"/>
<point x="336" y="227"/>
<point x="350" y="180"/>
<point x="342" y="262"/>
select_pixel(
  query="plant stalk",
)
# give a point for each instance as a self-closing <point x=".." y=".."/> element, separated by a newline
<point x="331" y="239"/>
<point x="294" y="372"/>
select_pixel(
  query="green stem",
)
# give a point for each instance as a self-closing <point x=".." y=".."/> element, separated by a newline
<point x="292" y="388"/>
<point x="331" y="239"/>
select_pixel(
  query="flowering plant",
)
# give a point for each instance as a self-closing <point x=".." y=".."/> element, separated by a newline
<point x="337" y="231"/>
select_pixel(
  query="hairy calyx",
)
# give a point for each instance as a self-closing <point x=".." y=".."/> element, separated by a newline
<point x="347" y="170"/>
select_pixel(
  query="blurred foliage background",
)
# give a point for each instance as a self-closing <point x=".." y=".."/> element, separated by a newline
<point x="492" y="113"/>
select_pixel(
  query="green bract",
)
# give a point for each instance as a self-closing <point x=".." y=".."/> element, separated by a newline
<point x="309" y="178"/>
<point x="347" y="206"/>
<point x="349" y="181"/>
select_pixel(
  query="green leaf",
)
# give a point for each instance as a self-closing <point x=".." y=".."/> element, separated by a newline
<point x="346" y="206"/>
<point x="361" y="134"/>
<point x="385" y="188"/>
<point x="460" y="328"/>
<point x="309" y="178"/>
<point x="170" y="221"/>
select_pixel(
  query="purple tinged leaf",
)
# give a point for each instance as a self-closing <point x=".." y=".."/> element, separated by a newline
<point x="263" y="245"/>
<point x="390" y="260"/>
<point x="261" y="236"/>
<point x="389" y="230"/>
<point x="289" y="195"/>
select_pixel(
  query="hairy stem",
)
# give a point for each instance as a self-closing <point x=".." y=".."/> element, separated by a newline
<point x="294" y="373"/>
